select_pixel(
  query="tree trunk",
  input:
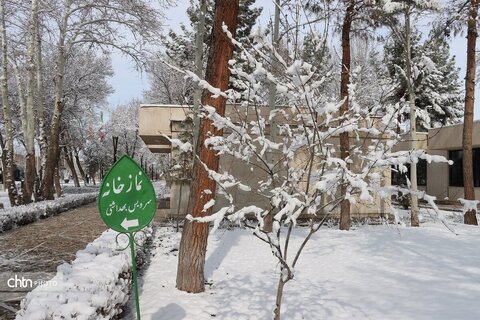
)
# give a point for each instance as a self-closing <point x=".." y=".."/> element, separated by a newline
<point x="80" y="168"/>
<point x="193" y="245"/>
<point x="197" y="94"/>
<point x="345" y="81"/>
<point x="272" y="97"/>
<point x="468" y="185"/>
<point x="278" y="302"/>
<point x="92" y="176"/>
<point x="7" y="118"/>
<point x="71" y="165"/>
<point x="414" y="222"/>
<point x="115" y="148"/>
<point x="29" y="115"/>
<point x="58" y="186"/>
<point x="27" y="125"/>
<point x="54" y="142"/>
<point x="40" y="110"/>
<point x="30" y="176"/>
<point x="134" y="144"/>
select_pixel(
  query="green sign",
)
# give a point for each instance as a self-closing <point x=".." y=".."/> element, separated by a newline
<point x="127" y="200"/>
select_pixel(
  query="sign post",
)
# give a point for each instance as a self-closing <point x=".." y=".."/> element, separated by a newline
<point x="127" y="203"/>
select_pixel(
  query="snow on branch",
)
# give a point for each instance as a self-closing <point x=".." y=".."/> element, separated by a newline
<point x="183" y="146"/>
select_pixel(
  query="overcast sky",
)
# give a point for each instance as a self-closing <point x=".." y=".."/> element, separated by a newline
<point x="129" y="83"/>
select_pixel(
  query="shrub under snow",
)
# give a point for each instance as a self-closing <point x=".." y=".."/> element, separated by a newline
<point x="95" y="285"/>
<point x="81" y="189"/>
<point x="21" y="215"/>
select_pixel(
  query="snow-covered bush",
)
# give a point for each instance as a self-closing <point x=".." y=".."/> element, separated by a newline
<point x="95" y="285"/>
<point x="25" y="214"/>
<point x="82" y="189"/>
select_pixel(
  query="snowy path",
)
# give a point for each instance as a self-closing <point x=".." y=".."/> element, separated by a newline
<point x="374" y="272"/>
<point x="47" y="243"/>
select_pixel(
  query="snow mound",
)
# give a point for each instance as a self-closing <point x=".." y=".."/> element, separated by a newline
<point x="95" y="285"/>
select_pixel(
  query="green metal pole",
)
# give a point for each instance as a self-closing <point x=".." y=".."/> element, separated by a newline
<point x="134" y="271"/>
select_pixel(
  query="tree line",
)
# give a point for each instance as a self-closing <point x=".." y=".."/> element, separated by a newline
<point x="55" y="63"/>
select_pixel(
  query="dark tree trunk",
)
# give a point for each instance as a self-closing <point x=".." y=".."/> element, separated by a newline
<point x="134" y="144"/>
<point x="71" y="165"/>
<point x="52" y="154"/>
<point x="93" y="172"/>
<point x="345" y="81"/>
<point x="56" y="180"/>
<point x="29" y="182"/>
<point x="191" y="258"/>
<point x="468" y="185"/>
<point x="80" y="168"/>
<point x="56" y="174"/>
<point x="4" y="160"/>
<point x="278" y="301"/>
<point x="115" y="148"/>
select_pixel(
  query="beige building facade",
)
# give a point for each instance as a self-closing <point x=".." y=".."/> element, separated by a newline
<point x="158" y="121"/>
<point x="444" y="181"/>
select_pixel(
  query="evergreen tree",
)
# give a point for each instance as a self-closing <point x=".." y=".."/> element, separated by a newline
<point x="441" y="93"/>
<point x="181" y="46"/>
<point x="436" y="82"/>
<point x="180" y="49"/>
<point x="247" y="17"/>
<point x="316" y="52"/>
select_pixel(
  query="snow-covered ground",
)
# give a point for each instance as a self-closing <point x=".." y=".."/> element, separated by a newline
<point x="372" y="272"/>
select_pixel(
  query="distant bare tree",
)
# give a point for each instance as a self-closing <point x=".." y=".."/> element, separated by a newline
<point x="103" y="24"/>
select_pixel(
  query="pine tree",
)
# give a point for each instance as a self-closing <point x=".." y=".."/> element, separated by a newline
<point x="180" y="46"/>
<point x="317" y="53"/>
<point x="436" y="81"/>
<point x="247" y="17"/>
<point x="193" y="245"/>
<point x="441" y="93"/>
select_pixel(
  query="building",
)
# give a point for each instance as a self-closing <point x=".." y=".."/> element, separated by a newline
<point x="444" y="181"/>
<point x="158" y="121"/>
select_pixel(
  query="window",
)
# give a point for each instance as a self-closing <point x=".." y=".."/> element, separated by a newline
<point x="455" y="176"/>
<point x="456" y="170"/>
<point x="400" y="179"/>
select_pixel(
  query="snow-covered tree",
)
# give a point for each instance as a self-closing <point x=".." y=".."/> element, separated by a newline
<point x="166" y="85"/>
<point x="86" y="90"/>
<point x="308" y="174"/>
<point x="7" y="142"/>
<point x="123" y="123"/>
<point x="437" y="87"/>
<point x="123" y="25"/>
<point x="191" y="257"/>
<point x="180" y="47"/>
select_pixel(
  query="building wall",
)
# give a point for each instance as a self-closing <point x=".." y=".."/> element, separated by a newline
<point x="450" y="137"/>
<point x="156" y="120"/>
<point x="437" y="176"/>
<point x="179" y="194"/>
<point x="440" y="141"/>
<point x="457" y="192"/>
